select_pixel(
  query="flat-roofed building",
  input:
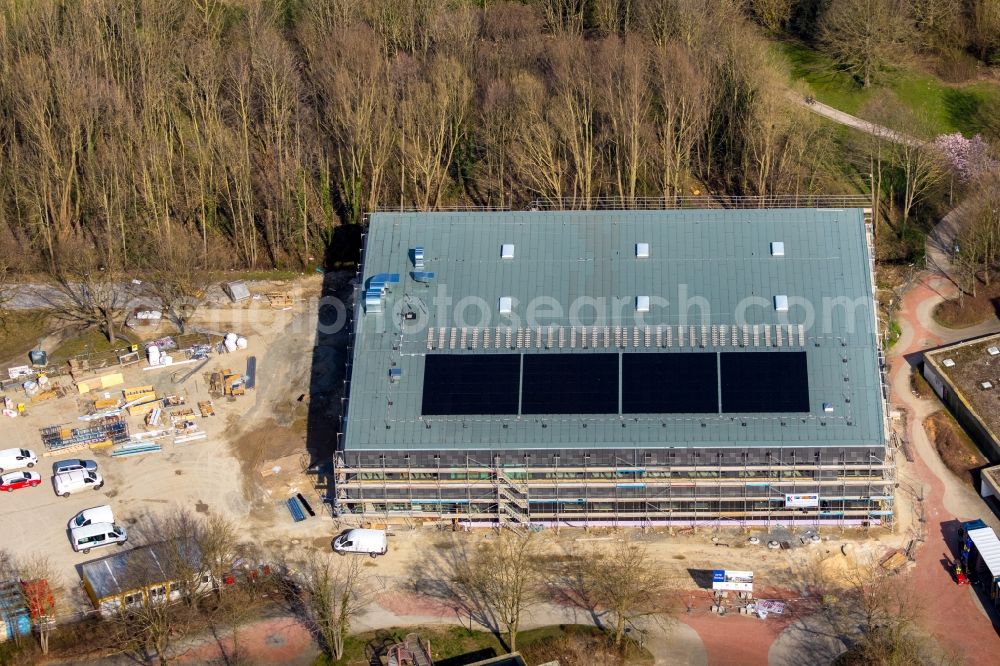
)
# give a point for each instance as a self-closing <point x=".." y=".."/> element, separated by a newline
<point x="616" y="367"/>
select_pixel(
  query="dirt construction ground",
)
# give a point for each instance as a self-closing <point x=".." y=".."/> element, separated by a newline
<point x="252" y="460"/>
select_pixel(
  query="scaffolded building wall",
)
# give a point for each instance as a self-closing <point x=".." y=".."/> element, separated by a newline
<point x="831" y="465"/>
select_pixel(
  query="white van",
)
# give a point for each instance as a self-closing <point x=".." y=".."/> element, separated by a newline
<point x="96" y="535"/>
<point x="70" y="482"/>
<point x="96" y="514"/>
<point x="371" y="542"/>
<point x="16" y="459"/>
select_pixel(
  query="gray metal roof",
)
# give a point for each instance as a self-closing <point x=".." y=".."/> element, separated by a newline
<point x="137" y="568"/>
<point x="718" y="262"/>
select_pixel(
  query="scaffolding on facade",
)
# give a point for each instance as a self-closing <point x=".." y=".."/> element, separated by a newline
<point x="624" y="493"/>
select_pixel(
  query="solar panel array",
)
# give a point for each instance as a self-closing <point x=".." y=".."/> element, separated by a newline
<point x="616" y="383"/>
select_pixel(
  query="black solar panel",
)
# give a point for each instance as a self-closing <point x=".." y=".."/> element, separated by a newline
<point x="466" y="384"/>
<point x="651" y="383"/>
<point x="764" y="382"/>
<point x="670" y="383"/>
<point x="570" y="384"/>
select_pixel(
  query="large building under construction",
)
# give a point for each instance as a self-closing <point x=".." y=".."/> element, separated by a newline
<point x="632" y="368"/>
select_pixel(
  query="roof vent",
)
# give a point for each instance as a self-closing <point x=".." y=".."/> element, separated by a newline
<point x="507" y="251"/>
<point x="987" y="385"/>
<point x="948" y="363"/>
<point x="828" y="407"/>
<point x="781" y="303"/>
<point x="642" y="303"/>
<point x="418" y="257"/>
<point x="506" y="305"/>
<point x="778" y="249"/>
<point x="642" y="250"/>
<point x="992" y="351"/>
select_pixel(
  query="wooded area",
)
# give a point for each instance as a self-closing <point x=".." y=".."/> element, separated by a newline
<point x="240" y="134"/>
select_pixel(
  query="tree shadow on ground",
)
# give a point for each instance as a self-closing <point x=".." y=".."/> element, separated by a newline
<point x="970" y="113"/>
<point x="441" y="574"/>
<point x="567" y="582"/>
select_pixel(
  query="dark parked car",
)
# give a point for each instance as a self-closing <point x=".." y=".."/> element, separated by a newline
<point x="72" y="465"/>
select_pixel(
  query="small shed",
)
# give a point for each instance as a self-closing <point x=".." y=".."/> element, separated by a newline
<point x="237" y="290"/>
<point x="153" y="572"/>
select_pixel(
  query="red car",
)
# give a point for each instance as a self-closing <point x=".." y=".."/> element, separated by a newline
<point x="14" y="480"/>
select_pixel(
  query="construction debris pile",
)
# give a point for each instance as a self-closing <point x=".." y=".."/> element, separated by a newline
<point x="102" y="432"/>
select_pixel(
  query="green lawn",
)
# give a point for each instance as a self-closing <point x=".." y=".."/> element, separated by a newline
<point x="968" y="109"/>
<point x="19" y="333"/>
<point x="450" y="644"/>
<point x="90" y="341"/>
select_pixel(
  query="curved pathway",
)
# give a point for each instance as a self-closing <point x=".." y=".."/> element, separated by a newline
<point x="953" y="615"/>
<point x="860" y="124"/>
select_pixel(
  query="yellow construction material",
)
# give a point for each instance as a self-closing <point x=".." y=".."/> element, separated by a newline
<point x="137" y="392"/>
<point x="114" y="379"/>
<point x="103" y="382"/>
<point x="95" y="445"/>
<point x="43" y="396"/>
<point x="109" y="403"/>
<point x="144" y="408"/>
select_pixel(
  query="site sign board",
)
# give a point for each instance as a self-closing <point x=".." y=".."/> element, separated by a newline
<point x="802" y="501"/>
<point x="737" y="581"/>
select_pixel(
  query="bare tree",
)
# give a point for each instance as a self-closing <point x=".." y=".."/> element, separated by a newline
<point x="772" y="14"/>
<point x="333" y="597"/>
<point x="180" y="559"/>
<point x="240" y="602"/>
<point x="979" y="232"/>
<point x="887" y="615"/>
<point x="614" y="17"/>
<point x="984" y="22"/>
<point x="91" y="294"/>
<point x="626" y="581"/>
<point x="912" y="152"/>
<point x="564" y="15"/>
<point x="149" y="628"/>
<point x="681" y="114"/>
<point x="940" y="24"/>
<point x="867" y="36"/>
<point x="177" y="288"/>
<point x="505" y="574"/>
<point x="626" y="102"/>
<point x="40" y="586"/>
<point x="352" y="75"/>
<point x="5" y="292"/>
<point x="574" y="113"/>
<point x="538" y="153"/>
<point x="433" y="110"/>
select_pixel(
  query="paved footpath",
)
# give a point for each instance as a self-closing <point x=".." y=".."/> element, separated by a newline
<point x="953" y="614"/>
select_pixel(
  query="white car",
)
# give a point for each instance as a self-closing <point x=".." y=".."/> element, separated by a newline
<point x="95" y="514"/>
<point x="69" y="482"/>
<point x="16" y="459"/>
<point x="88" y="537"/>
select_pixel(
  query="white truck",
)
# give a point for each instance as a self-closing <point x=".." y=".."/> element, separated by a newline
<point x="366" y="542"/>
<point x="69" y="482"/>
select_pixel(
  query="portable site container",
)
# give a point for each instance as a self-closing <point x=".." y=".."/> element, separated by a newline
<point x="980" y="552"/>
